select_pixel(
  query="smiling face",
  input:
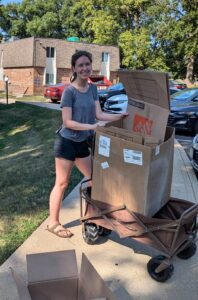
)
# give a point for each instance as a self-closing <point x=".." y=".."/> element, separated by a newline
<point x="83" y="68"/>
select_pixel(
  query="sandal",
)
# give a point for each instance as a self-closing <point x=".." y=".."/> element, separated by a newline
<point x="60" y="232"/>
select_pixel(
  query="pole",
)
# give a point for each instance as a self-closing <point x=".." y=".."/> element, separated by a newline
<point x="6" y="88"/>
<point x="6" y="91"/>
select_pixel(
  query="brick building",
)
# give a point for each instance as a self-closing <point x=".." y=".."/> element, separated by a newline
<point x="32" y="63"/>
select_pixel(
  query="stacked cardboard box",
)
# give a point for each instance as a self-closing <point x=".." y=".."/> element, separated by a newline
<point x="133" y="161"/>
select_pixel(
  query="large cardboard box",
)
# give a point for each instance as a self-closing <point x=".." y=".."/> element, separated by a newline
<point x="149" y="102"/>
<point x="131" y="174"/>
<point x="54" y="276"/>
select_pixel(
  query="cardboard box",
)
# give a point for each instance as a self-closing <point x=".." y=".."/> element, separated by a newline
<point x="137" y="172"/>
<point x="149" y="102"/>
<point x="54" y="276"/>
<point x="125" y="172"/>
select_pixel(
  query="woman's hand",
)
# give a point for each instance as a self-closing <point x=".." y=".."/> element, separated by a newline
<point x="99" y="124"/>
<point x="124" y="115"/>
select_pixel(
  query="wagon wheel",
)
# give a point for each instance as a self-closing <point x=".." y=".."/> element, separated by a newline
<point x="188" y="252"/>
<point x="159" y="276"/>
<point x="104" y="231"/>
<point x="90" y="233"/>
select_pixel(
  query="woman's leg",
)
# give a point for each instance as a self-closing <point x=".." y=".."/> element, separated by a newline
<point x="84" y="166"/>
<point x="63" y="170"/>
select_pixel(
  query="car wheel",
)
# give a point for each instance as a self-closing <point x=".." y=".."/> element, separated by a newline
<point x="54" y="100"/>
<point x="196" y="127"/>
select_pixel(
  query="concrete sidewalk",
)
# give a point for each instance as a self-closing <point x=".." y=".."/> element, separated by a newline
<point x="121" y="262"/>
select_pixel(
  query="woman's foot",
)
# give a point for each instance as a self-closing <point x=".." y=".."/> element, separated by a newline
<point x="60" y="231"/>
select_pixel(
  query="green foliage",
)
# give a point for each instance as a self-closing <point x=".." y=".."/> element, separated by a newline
<point x="159" y="34"/>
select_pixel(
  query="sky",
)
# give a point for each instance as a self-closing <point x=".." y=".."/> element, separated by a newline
<point x="9" y="1"/>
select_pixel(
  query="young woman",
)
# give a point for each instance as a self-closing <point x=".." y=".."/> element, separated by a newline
<point x="80" y="109"/>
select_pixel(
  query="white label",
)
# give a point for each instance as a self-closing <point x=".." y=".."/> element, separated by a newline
<point x="104" y="146"/>
<point x="104" y="165"/>
<point x="133" y="157"/>
<point x="157" y="150"/>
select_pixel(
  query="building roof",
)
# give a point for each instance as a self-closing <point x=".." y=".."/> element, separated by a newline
<point x="31" y="52"/>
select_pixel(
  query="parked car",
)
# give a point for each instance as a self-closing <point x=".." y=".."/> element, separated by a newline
<point x="54" y="92"/>
<point x="194" y="154"/>
<point x="173" y="90"/>
<point x="101" y="81"/>
<point x="116" y="104"/>
<point x="177" y="84"/>
<point x="184" y="110"/>
<point x="115" y="89"/>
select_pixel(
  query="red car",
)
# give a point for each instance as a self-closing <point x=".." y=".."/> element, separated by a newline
<point x="101" y="81"/>
<point x="54" y="92"/>
<point x="177" y="84"/>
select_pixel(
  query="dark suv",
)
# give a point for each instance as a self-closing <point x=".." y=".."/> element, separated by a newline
<point x="194" y="154"/>
<point x="184" y="110"/>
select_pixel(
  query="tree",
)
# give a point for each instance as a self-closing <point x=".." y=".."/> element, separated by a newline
<point x="174" y="27"/>
<point x="33" y="18"/>
<point x="154" y="34"/>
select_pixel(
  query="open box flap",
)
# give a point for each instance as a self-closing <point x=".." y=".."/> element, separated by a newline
<point x="22" y="289"/>
<point x="150" y="121"/>
<point x="51" y="266"/>
<point x="91" y="285"/>
<point x="149" y="87"/>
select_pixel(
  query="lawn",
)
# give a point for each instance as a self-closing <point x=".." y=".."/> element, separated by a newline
<point x="24" y="98"/>
<point x="27" y="171"/>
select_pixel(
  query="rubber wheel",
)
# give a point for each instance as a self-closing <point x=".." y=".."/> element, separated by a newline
<point x="104" y="231"/>
<point x="163" y="275"/>
<point x="54" y="100"/>
<point x="188" y="252"/>
<point x="90" y="233"/>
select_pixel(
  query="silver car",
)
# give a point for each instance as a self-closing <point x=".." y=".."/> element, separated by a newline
<point x="116" y="104"/>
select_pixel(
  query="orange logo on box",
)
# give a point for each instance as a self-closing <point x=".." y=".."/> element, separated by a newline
<point x="142" y="125"/>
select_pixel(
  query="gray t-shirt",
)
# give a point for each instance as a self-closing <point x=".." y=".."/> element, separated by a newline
<point x="83" y="111"/>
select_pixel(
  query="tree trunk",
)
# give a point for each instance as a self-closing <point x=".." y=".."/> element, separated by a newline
<point x="190" y="69"/>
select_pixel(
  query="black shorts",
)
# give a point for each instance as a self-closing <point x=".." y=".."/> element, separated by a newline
<point x="70" y="150"/>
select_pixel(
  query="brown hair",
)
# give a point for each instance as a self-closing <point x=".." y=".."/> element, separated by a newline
<point x="75" y="57"/>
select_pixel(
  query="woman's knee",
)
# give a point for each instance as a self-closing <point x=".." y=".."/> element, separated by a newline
<point x="62" y="185"/>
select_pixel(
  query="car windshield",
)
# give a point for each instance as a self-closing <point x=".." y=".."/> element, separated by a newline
<point x="184" y="95"/>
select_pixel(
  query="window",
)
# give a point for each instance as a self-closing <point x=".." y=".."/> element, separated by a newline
<point x="49" y="78"/>
<point x="50" y="51"/>
<point x="105" y="56"/>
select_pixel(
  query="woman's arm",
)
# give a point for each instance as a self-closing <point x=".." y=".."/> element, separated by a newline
<point x="100" y="115"/>
<point x="69" y="123"/>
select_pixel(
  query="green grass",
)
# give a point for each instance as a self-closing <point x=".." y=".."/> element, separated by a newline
<point x="27" y="171"/>
<point x="24" y="98"/>
<point x="33" y="98"/>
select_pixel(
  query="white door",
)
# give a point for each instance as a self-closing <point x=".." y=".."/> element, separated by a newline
<point x="105" y="65"/>
<point x="50" y="70"/>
